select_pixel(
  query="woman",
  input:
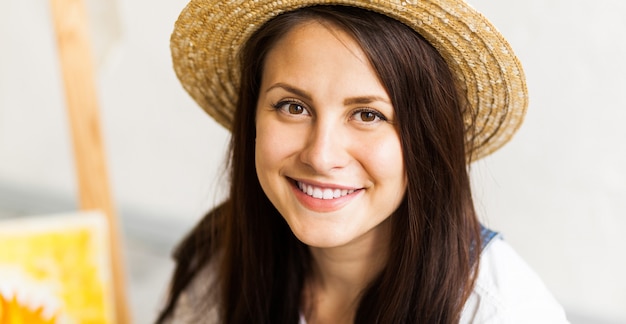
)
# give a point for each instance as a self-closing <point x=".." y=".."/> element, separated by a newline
<point x="352" y="127"/>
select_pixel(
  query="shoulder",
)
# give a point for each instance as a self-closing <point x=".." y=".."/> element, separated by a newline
<point x="507" y="290"/>
<point x="193" y="295"/>
<point x="198" y="302"/>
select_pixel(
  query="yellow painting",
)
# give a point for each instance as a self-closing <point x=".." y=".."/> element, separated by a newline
<point x="55" y="269"/>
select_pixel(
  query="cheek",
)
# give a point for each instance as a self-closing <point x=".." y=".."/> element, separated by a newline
<point x="382" y="157"/>
<point x="266" y="159"/>
<point x="273" y="146"/>
<point x="264" y="148"/>
<point x="388" y="173"/>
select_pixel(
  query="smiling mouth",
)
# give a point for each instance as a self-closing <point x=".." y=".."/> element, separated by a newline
<point x="323" y="193"/>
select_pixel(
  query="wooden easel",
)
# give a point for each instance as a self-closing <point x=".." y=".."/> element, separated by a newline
<point x="70" y="23"/>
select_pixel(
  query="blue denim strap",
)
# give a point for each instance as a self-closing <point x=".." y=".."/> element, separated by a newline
<point x="487" y="236"/>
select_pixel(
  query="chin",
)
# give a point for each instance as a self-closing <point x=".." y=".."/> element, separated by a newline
<point x="322" y="238"/>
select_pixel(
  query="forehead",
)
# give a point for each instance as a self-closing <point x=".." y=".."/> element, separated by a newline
<point x="319" y="37"/>
<point x="319" y="56"/>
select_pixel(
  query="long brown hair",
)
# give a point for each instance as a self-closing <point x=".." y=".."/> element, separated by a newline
<point x="261" y="265"/>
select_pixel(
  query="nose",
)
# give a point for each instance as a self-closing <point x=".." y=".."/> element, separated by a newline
<point x="325" y="149"/>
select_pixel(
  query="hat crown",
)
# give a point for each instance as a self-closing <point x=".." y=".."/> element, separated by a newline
<point x="209" y="34"/>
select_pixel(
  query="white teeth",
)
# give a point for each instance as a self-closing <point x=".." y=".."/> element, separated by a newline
<point x="323" y="193"/>
<point x="317" y="193"/>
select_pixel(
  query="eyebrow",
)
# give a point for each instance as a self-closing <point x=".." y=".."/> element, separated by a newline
<point x="348" y="101"/>
<point x="365" y="100"/>
<point x="288" y="88"/>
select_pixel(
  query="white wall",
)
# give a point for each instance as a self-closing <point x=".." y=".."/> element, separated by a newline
<point x="557" y="191"/>
<point x="163" y="151"/>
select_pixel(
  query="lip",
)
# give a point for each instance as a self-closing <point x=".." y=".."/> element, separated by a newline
<point x="323" y="205"/>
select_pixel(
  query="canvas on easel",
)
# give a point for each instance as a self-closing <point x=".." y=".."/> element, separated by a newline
<point x="56" y="269"/>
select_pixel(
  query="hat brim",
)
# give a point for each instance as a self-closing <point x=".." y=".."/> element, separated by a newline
<point x="208" y="35"/>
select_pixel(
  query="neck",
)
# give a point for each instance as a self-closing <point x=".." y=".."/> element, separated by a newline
<point x="340" y="275"/>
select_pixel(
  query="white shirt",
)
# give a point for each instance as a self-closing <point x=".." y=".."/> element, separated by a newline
<point x="507" y="290"/>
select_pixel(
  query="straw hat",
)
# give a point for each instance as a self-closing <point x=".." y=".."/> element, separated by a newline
<point x="209" y="34"/>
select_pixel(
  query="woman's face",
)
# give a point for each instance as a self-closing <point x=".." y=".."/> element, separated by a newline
<point x="327" y="153"/>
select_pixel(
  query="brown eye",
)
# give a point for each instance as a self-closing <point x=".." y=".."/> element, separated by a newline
<point x="368" y="116"/>
<point x="295" y="109"/>
<point x="291" y="107"/>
